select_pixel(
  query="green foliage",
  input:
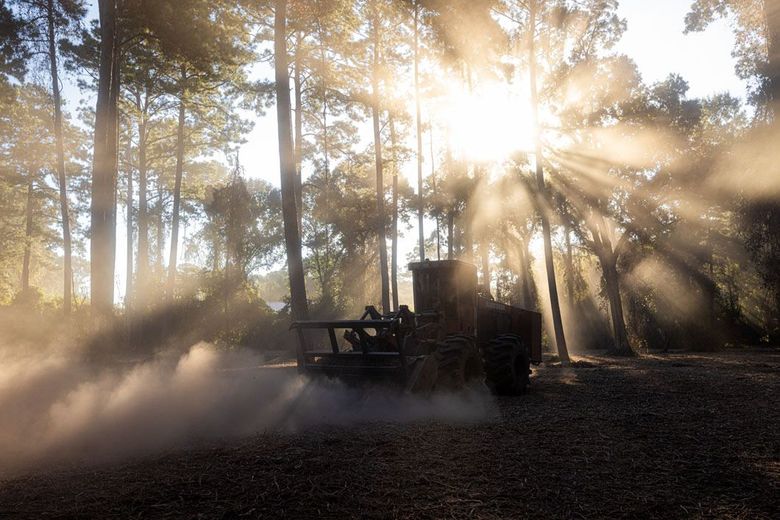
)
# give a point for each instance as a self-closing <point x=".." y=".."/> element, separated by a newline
<point x="12" y="53"/>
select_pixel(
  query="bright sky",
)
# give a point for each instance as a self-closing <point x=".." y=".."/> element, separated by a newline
<point x="654" y="39"/>
<point x="656" y="42"/>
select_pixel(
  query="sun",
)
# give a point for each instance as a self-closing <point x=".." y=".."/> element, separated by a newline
<point x="536" y="247"/>
<point x="488" y="124"/>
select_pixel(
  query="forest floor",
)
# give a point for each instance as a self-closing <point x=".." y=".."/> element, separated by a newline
<point x="666" y="436"/>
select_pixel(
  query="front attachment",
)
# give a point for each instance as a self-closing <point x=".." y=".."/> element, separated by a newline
<point x="371" y="349"/>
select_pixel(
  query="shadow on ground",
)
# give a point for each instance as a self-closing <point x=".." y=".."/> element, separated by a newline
<point x="671" y="436"/>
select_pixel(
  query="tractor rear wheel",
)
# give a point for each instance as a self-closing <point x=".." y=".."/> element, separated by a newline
<point x="459" y="362"/>
<point x="507" y="365"/>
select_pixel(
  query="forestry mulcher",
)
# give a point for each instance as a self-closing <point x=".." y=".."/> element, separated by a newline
<point x="455" y="337"/>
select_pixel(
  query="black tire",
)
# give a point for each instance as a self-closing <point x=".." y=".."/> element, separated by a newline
<point x="507" y="365"/>
<point x="459" y="363"/>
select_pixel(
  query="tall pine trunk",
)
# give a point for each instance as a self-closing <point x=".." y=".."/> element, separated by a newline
<point x="418" y="124"/>
<point x="129" y="242"/>
<point x="484" y="255"/>
<point x="298" y="138"/>
<point x="450" y="234"/>
<point x="569" y="259"/>
<point x="394" y="241"/>
<point x="67" y="260"/>
<point x="292" y="239"/>
<point x="435" y="196"/>
<point x="466" y="236"/>
<point x="172" y="259"/>
<point x="142" y="278"/>
<point x="327" y="281"/>
<point x="560" y="338"/>
<point x="159" y="267"/>
<point x="772" y="17"/>
<point x="104" y="166"/>
<point x="528" y="292"/>
<point x="380" y="188"/>
<point x="28" y="229"/>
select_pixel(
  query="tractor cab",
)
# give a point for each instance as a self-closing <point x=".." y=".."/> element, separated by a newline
<point x="446" y="291"/>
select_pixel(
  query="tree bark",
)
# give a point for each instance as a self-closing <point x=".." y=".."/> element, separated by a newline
<point x="129" y="243"/>
<point x="160" y="239"/>
<point x="142" y="278"/>
<point x="380" y="195"/>
<point x="484" y="254"/>
<point x="418" y="121"/>
<point x="394" y="242"/>
<point x="529" y="301"/>
<point x="772" y="16"/>
<point x="103" y="209"/>
<point x="298" y="139"/>
<point x="450" y="235"/>
<point x="172" y="259"/>
<point x="435" y="196"/>
<point x="611" y="280"/>
<point x="298" y="303"/>
<point x="467" y="238"/>
<point x="560" y="338"/>
<point x="569" y="268"/>
<point x="28" y="211"/>
<point x="67" y="259"/>
<point x="607" y="256"/>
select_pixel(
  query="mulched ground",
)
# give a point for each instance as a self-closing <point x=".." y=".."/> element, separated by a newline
<point x="679" y="435"/>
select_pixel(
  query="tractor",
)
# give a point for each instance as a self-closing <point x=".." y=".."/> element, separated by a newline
<point x="457" y="336"/>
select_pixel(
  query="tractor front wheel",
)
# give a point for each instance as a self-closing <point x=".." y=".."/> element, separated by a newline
<point x="507" y="365"/>
<point x="459" y="362"/>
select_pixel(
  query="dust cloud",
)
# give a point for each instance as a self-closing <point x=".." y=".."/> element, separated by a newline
<point x="57" y="408"/>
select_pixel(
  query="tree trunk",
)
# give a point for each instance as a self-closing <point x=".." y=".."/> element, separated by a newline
<point x="467" y="238"/>
<point x="484" y="254"/>
<point x="113" y="149"/>
<point x="418" y="121"/>
<point x="142" y="278"/>
<point x="560" y="338"/>
<point x="569" y="268"/>
<point x="529" y="302"/>
<point x="129" y="236"/>
<point x="608" y="260"/>
<point x="609" y="270"/>
<point x="103" y="210"/>
<point x="28" y="229"/>
<point x="298" y="140"/>
<point x="158" y="257"/>
<point x="450" y="235"/>
<point x="772" y="16"/>
<point x="172" y="259"/>
<point x="292" y="238"/>
<point x="67" y="282"/>
<point x="394" y="242"/>
<point x="435" y="196"/>
<point x="380" y="188"/>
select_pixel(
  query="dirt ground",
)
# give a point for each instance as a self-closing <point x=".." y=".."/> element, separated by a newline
<point x="672" y="436"/>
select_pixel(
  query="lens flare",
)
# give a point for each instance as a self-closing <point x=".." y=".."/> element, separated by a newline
<point x="489" y="123"/>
